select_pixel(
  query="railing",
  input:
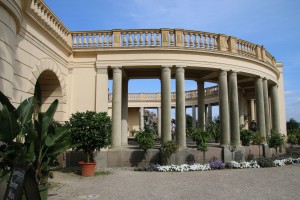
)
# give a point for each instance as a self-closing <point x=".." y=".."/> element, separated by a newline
<point x="156" y="97"/>
<point x="49" y="18"/>
<point x="133" y="38"/>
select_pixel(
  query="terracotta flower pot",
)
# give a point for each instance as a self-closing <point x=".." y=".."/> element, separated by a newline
<point x="87" y="169"/>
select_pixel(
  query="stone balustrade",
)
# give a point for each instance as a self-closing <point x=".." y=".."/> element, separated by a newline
<point x="45" y="15"/>
<point x="156" y="97"/>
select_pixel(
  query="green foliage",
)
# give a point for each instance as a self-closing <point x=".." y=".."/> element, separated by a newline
<point x="292" y="124"/>
<point x="168" y="148"/>
<point x="145" y="139"/>
<point x="91" y="131"/>
<point x="245" y="136"/>
<point x="213" y="129"/>
<point x="294" y="136"/>
<point x="275" y="140"/>
<point x="201" y="137"/>
<point x="265" y="162"/>
<point x="35" y="141"/>
<point x="258" y="139"/>
<point x="189" y="121"/>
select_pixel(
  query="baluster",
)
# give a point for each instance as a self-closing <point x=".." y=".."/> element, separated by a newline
<point x="124" y="40"/>
<point x="129" y="39"/>
<point x="84" y="40"/>
<point x="196" y="40"/>
<point x="141" y="39"/>
<point x="152" y="39"/>
<point x="215" y="42"/>
<point x="110" y="43"/>
<point x="206" y="42"/>
<point x="146" y="39"/>
<point x="191" y="40"/>
<point x="172" y="39"/>
<point x="100" y="40"/>
<point x="238" y="45"/>
<point x="135" y="43"/>
<point x="157" y="39"/>
<point x="90" y="40"/>
<point x="95" y="40"/>
<point x="79" y="40"/>
<point x="105" y="40"/>
<point x="186" y="44"/>
<point x="210" y="42"/>
<point x="74" y="41"/>
<point x="201" y="41"/>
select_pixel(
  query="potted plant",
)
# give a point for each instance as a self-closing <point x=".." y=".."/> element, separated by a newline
<point x="92" y="131"/>
<point x="31" y="137"/>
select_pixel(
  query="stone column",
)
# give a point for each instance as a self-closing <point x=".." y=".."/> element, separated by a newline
<point x="266" y="106"/>
<point x="241" y="108"/>
<point x="125" y="112"/>
<point x="116" y="107"/>
<point x="201" y="105"/>
<point x="142" y="121"/>
<point x="180" y="107"/>
<point x="102" y="89"/>
<point x="234" y="109"/>
<point x="252" y="109"/>
<point x="194" y="116"/>
<point x="260" y="110"/>
<point x="159" y="121"/>
<point x="166" y="104"/>
<point x="209" y="113"/>
<point x="224" y="108"/>
<point x="275" y="108"/>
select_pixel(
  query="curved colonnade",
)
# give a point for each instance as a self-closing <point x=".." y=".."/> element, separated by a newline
<point x="75" y="66"/>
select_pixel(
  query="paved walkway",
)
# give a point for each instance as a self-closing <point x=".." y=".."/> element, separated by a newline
<point x="263" y="183"/>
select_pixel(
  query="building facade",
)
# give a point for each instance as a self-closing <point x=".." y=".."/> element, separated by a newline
<point x="75" y="67"/>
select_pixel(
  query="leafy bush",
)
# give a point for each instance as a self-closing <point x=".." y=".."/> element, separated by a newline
<point x="294" y="136"/>
<point x="258" y="139"/>
<point x="275" y="140"/>
<point x="167" y="149"/>
<point x="265" y="162"/>
<point x="145" y="139"/>
<point x="91" y="130"/>
<point x="246" y="136"/>
<point x="292" y="139"/>
<point x="213" y="129"/>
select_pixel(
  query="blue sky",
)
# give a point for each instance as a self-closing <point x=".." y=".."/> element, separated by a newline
<point x="272" y="23"/>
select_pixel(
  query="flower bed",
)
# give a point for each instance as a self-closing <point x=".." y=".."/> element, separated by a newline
<point x="215" y="165"/>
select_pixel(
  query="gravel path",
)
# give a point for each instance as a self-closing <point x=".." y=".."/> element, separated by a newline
<point x="264" y="183"/>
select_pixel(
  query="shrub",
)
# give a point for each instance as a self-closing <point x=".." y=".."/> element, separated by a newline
<point x="145" y="139"/>
<point x="265" y="162"/>
<point x="168" y="148"/>
<point x="91" y="130"/>
<point x="275" y="140"/>
<point x="292" y="139"/>
<point x="246" y="136"/>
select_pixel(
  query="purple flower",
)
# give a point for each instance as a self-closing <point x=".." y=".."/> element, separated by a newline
<point x="217" y="165"/>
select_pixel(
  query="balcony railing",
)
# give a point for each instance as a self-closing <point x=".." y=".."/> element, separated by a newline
<point x="156" y="97"/>
<point x="135" y="38"/>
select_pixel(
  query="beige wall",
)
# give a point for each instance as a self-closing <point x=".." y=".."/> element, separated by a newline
<point x="133" y="119"/>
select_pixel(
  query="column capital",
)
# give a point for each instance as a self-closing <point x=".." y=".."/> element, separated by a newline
<point x="166" y="68"/>
<point x="117" y="69"/>
<point x="233" y="71"/>
<point x="101" y="70"/>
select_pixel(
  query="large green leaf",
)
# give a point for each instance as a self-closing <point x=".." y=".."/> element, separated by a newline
<point x="53" y="137"/>
<point x="9" y="127"/>
<point x="5" y="102"/>
<point x="52" y="109"/>
<point x="25" y="110"/>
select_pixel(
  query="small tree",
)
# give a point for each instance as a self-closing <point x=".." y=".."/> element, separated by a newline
<point x="91" y="130"/>
<point x="258" y="139"/>
<point x="292" y="124"/>
<point x="145" y="139"/>
<point x="167" y="149"/>
<point x="276" y="140"/>
<point x="201" y="137"/>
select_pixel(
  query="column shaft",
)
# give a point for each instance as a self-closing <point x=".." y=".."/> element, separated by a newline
<point x="166" y="104"/>
<point x="266" y="106"/>
<point x="241" y="108"/>
<point x="234" y="110"/>
<point x="180" y="108"/>
<point x="252" y="107"/>
<point x="116" y="107"/>
<point x="194" y="116"/>
<point x="260" y="110"/>
<point x="159" y="121"/>
<point x="209" y="113"/>
<point x="142" y="125"/>
<point x="275" y="108"/>
<point x="125" y="112"/>
<point x="224" y="108"/>
<point x="201" y="106"/>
